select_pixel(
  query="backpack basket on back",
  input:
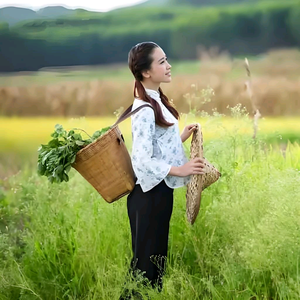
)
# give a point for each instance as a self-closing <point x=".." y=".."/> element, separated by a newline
<point x="106" y="163"/>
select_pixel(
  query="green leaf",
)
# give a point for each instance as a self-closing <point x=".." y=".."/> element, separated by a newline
<point x="77" y="136"/>
<point x="58" y="128"/>
<point x="97" y="134"/>
<point x="54" y="143"/>
<point x="80" y="143"/>
<point x="73" y="159"/>
<point x="59" y="169"/>
<point x="71" y="132"/>
<point x="45" y="157"/>
<point x="88" y="141"/>
<point x="67" y="168"/>
<point x="65" y="177"/>
<point x="41" y="169"/>
<point x="54" y="134"/>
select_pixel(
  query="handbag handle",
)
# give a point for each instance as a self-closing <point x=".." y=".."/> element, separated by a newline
<point x="127" y="113"/>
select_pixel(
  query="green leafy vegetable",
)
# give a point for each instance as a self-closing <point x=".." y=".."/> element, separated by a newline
<point x="55" y="158"/>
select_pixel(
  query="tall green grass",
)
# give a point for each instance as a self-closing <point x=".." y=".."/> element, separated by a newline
<point x="63" y="241"/>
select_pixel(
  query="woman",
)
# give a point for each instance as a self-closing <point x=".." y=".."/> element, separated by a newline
<point x="158" y="160"/>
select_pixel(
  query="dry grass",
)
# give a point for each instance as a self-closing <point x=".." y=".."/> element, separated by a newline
<point x="275" y="80"/>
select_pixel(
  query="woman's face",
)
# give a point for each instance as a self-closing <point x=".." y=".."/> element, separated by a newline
<point x="160" y="70"/>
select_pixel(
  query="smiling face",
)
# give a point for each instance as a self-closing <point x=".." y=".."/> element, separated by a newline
<point x="160" y="70"/>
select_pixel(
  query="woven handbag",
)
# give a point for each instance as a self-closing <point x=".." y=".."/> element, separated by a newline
<point x="106" y="163"/>
<point x="198" y="182"/>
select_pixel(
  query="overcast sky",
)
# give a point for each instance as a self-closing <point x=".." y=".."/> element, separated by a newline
<point x="96" y="5"/>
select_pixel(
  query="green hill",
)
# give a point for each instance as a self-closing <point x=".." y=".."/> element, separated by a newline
<point x="55" y="11"/>
<point x="13" y="15"/>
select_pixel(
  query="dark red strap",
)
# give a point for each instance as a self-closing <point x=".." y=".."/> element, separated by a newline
<point x="127" y="113"/>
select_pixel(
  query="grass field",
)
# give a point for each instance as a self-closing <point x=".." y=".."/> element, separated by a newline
<point x="63" y="241"/>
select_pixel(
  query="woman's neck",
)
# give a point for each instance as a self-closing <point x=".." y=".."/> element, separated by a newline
<point x="150" y="86"/>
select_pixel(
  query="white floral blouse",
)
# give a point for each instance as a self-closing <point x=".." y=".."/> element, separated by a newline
<point x="155" y="149"/>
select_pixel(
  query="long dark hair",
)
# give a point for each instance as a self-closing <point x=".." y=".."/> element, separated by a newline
<point x="140" y="60"/>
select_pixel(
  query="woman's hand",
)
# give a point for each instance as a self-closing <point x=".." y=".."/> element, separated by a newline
<point x="195" y="166"/>
<point x="187" y="131"/>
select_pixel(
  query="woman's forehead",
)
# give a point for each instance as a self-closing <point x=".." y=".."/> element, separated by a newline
<point x="158" y="53"/>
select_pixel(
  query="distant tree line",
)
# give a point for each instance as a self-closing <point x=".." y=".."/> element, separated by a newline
<point x="102" y="38"/>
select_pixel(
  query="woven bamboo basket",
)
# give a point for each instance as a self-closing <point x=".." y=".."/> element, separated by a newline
<point x="198" y="182"/>
<point x="106" y="165"/>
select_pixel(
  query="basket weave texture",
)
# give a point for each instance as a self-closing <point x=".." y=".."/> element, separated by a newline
<point x="198" y="182"/>
<point x="106" y="165"/>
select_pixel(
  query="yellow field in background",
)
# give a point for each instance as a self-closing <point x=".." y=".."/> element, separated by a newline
<point x="24" y="135"/>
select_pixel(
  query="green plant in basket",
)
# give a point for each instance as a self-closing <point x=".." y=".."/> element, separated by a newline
<point x="56" y="158"/>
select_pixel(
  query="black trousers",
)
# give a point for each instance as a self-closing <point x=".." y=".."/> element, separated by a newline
<point x="149" y="215"/>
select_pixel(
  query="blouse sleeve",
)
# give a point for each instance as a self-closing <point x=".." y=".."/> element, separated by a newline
<point x="149" y="170"/>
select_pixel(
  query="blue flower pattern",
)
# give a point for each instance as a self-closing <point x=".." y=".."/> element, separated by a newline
<point x="154" y="148"/>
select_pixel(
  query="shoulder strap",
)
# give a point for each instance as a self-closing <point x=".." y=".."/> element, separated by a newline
<point x="127" y="113"/>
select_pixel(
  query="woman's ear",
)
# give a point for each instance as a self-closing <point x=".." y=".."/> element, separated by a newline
<point x="146" y="74"/>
